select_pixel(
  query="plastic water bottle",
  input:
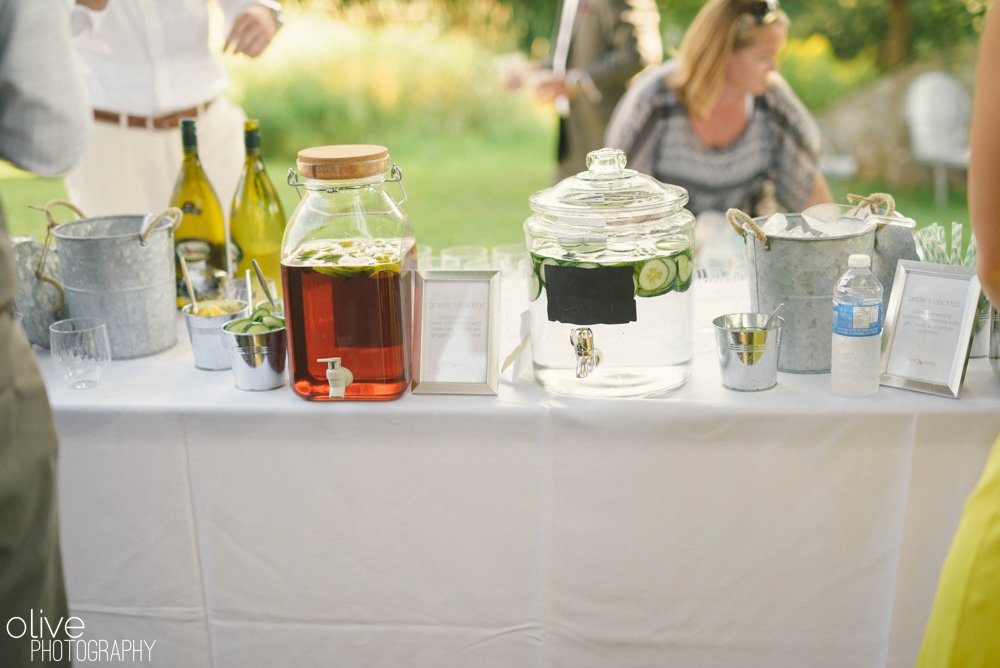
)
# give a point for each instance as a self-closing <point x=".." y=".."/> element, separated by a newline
<point x="857" y="330"/>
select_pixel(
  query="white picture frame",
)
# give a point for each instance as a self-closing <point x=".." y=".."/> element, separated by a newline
<point x="928" y="327"/>
<point x="456" y="332"/>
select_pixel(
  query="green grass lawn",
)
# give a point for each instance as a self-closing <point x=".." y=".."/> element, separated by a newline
<point x="461" y="189"/>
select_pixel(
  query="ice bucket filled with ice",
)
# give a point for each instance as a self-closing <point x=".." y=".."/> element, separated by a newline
<point x="796" y="259"/>
<point x="610" y="285"/>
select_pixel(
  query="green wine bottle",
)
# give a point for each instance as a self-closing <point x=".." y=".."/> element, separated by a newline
<point x="257" y="221"/>
<point x="201" y="236"/>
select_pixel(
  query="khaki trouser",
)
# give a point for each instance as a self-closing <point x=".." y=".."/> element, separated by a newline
<point x="31" y="577"/>
<point x="133" y="170"/>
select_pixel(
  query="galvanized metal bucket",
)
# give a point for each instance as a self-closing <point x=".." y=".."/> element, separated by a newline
<point x="121" y="269"/>
<point x="40" y="299"/>
<point x="748" y="346"/>
<point x="801" y="272"/>
<point x="258" y="360"/>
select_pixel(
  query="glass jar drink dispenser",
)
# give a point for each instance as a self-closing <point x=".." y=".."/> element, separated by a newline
<point x="612" y="264"/>
<point x="346" y="263"/>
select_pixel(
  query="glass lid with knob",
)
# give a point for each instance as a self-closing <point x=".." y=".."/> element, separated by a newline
<point x="608" y="188"/>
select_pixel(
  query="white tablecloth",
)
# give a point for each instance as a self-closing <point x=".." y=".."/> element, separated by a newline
<point x="704" y="527"/>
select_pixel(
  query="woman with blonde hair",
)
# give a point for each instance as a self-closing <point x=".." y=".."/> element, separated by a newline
<point x="719" y="121"/>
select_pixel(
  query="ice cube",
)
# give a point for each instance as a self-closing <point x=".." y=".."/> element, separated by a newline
<point x="788" y="227"/>
<point x="834" y="220"/>
<point x="775" y="224"/>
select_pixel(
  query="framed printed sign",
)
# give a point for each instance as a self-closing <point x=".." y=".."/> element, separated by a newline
<point x="928" y="327"/>
<point x="456" y="329"/>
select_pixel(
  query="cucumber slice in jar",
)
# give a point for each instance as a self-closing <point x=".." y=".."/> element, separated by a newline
<point x="547" y="262"/>
<point x="684" y="269"/>
<point x="656" y="276"/>
<point x="335" y="271"/>
<point x="534" y="287"/>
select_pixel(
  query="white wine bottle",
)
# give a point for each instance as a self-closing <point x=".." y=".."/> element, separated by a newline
<point x="201" y="236"/>
<point x="257" y="219"/>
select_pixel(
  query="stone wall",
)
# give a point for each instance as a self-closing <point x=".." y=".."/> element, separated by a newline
<point x="870" y="123"/>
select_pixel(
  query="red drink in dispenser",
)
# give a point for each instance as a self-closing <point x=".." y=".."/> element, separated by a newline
<point x="347" y="295"/>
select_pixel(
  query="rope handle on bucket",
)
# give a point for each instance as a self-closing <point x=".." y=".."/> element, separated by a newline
<point x="741" y="222"/>
<point x="873" y="202"/>
<point x="152" y="221"/>
<point x="51" y="223"/>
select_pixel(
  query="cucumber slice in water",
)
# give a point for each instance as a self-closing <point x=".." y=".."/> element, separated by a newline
<point x="335" y="271"/>
<point x="684" y="269"/>
<point x="534" y="287"/>
<point x="656" y="275"/>
<point x="237" y="326"/>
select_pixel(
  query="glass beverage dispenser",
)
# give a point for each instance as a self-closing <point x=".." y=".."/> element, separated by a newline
<point x="346" y="263"/>
<point x="612" y="262"/>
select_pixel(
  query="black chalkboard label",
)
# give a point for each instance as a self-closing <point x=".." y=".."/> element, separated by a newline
<point x="590" y="295"/>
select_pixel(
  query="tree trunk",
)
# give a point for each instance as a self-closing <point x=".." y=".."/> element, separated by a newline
<point x="896" y="47"/>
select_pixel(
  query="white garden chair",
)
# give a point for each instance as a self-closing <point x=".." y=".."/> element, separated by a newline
<point x="937" y="110"/>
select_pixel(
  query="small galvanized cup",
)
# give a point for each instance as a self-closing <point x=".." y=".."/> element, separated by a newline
<point x="748" y="353"/>
<point x="980" y="346"/>
<point x="206" y="337"/>
<point x="258" y="360"/>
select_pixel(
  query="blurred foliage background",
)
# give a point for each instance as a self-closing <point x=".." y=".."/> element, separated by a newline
<point x="423" y="78"/>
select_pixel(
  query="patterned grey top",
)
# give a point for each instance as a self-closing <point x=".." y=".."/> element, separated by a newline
<point x="780" y="145"/>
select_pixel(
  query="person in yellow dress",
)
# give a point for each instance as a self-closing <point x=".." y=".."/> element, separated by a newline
<point x="964" y="626"/>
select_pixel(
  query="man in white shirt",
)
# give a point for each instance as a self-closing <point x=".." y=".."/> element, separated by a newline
<point x="146" y="65"/>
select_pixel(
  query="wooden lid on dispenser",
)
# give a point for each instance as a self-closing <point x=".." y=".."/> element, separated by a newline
<point x="343" y="161"/>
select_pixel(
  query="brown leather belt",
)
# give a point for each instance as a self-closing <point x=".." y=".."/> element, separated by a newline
<point x="165" y="122"/>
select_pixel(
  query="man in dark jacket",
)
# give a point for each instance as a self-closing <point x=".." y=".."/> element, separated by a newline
<point x="598" y="46"/>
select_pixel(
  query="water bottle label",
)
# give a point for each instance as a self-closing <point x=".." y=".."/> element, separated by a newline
<point x="849" y="320"/>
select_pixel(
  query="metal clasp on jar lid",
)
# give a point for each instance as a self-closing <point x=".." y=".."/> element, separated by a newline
<point x="395" y="176"/>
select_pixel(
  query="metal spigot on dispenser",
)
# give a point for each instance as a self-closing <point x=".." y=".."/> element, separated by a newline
<point x="587" y="355"/>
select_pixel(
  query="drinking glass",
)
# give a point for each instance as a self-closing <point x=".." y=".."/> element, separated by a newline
<point x="81" y="350"/>
<point x="460" y="257"/>
<point x="432" y="262"/>
<point x="510" y="258"/>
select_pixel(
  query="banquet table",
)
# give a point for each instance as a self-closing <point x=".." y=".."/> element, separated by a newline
<point x="702" y="527"/>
